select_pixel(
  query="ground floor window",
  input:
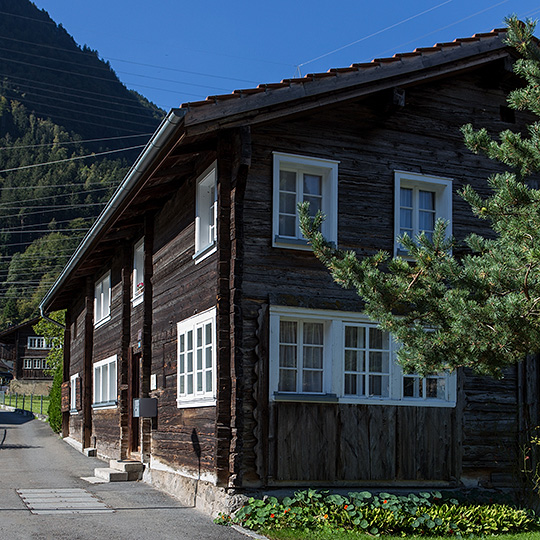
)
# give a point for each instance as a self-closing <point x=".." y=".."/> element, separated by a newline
<point x="105" y="393"/>
<point x="319" y="355"/>
<point x="74" y="388"/>
<point x="196" y="360"/>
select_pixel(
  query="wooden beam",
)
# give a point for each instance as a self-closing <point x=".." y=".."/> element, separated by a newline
<point x="88" y="363"/>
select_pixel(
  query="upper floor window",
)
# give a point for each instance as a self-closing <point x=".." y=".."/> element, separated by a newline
<point x="419" y="201"/>
<point x="74" y="391"/>
<point x="319" y="355"/>
<point x="197" y="360"/>
<point x="35" y="342"/>
<point x="303" y="179"/>
<point x="206" y="214"/>
<point x="105" y="383"/>
<point x="138" y="271"/>
<point x="102" y="299"/>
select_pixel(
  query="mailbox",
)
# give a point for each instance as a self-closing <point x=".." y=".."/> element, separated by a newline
<point x="145" y="408"/>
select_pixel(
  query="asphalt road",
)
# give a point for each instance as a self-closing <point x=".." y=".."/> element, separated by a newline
<point x="32" y="458"/>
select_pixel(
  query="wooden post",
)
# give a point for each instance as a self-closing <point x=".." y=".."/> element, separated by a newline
<point x="66" y="369"/>
<point x="41" y="405"/>
<point x="88" y="367"/>
<point x="146" y="363"/>
<point x="123" y="367"/>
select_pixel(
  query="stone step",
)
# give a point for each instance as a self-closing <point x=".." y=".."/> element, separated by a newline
<point x="111" y="475"/>
<point x="133" y="468"/>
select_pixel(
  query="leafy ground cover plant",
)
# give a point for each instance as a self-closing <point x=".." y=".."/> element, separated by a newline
<point x="425" y="514"/>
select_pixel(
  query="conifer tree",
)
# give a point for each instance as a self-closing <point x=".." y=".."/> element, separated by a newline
<point x="481" y="310"/>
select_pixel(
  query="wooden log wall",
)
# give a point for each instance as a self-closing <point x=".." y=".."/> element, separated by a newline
<point x="371" y="138"/>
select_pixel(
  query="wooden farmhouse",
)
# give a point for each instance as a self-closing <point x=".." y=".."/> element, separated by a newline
<point x="26" y="353"/>
<point x="196" y="289"/>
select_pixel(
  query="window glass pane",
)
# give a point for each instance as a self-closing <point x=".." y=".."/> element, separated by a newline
<point x="312" y="381"/>
<point x="312" y="184"/>
<point x="413" y="387"/>
<point x="426" y="200"/>
<point x="199" y="337"/>
<point x="190" y="384"/>
<point x="405" y="197"/>
<point x="315" y="204"/>
<point x="181" y="384"/>
<point x="112" y="382"/>
<point x="313" y="333"/>
<point x="181" y="365"/>
<point x="313" y="357"/>
<point x="355" y="337"/>
<point x="208" y="381"/>
<point x="426" y="221"/>
<point x="378" y="339"/>
<point x="199" y="382"/>
<point x="208" y="334"/>
<point x="436" y="388"/>
<point x="190" y="340"/>
<point x="182" y="343"/>
<point x="378" y="385"/>
<point x="351" y="361"/>
<point x="287" y="203"/>
<point x="209" y="357"/>
<point x="287" y="181"/>
<point x="350" y="384"/>
<point x="287" y="331"/>
<point x="199" y="358"/>
<point x="287" y="356"/>
<point x="287" y="380"/>
<point x="287" y="225"/>
<point x="405" y="220"/>
<point x="189" y="362"/>
<point x="379" y="362"/>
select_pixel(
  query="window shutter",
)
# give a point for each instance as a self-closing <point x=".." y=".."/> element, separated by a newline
<point x="78" y="393"/>
<point x="64" y="404"/>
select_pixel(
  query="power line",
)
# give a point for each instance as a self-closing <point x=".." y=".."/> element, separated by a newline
<point x="4" y="188"/>
<point x="374" y="34"/>
<point x="50" y="209"/>
<point x="71" y="159"/>
<point x="72" y="142"/>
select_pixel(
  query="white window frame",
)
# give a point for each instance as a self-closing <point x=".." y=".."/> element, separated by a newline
<point x="138" y="273"/>
<point x="28" y="363"/>
<point x="206" y="214"/>
<point x="105" y="395"/>
<point x="196" y="397"/>
<point x="37" y="342"/>
<point x="334" y="363"/>
<point x="326" y="168"/>
<point x="102" y="299"/>
<point x="73" y="394"/>
<point x="441" y="186"/>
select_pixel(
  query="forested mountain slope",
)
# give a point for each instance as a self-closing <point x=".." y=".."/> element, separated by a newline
<point x="58" y="103"/>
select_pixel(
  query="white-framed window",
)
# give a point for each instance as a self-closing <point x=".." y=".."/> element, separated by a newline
<point x="419" y="201"/>
<point x="323" y="355"/>
<point x="28" y="363"/>
<point x="102" y="299"/>
<point x="138" y="272"/>
<point x="206" y="214"/>
<point x="299" y="179"/>
<point x="73" y="392"/>
<point x="196" y="386"/>
<point x="35" y="342"/>
<point x="105" y="383"/>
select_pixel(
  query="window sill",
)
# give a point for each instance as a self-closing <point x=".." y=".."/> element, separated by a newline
<point x="136" y="300"/>
<point x="205" y="252"/>
<point x="101" y="322"/>
<point x="73" y="412"/>
<point x="308" y="398"/>
<point x="294" y="243"/>
<point x="191" y="403"/>
<point x="410" y="402"/>
<point x="105" y="405"/>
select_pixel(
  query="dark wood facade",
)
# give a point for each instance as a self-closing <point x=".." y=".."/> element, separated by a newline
<point x="245" y="438"/>
<point x="27" y="352"/>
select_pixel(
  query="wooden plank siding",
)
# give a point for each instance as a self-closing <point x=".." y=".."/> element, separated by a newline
<point x="329" y="443"/>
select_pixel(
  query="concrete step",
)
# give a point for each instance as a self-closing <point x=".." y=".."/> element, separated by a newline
<point x="111" y="475"/>
<point x="134" y="469"/>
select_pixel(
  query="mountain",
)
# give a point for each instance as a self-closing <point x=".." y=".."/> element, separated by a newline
<point x="59" y="103"/>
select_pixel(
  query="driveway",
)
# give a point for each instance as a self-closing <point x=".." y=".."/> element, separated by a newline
<point x="40" y="471"/>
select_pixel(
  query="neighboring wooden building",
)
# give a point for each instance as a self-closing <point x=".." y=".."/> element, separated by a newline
<point x="196" y="288"/>
<point x="28" y="353"/>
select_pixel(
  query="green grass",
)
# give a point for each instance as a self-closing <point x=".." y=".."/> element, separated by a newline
<point x="292" y="534"/>
<point x="35" y="403"/>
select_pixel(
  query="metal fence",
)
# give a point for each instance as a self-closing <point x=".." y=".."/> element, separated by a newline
<point x="38" y="404"/>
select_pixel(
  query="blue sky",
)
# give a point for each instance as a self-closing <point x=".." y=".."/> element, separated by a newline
<point x="173" y="52"/>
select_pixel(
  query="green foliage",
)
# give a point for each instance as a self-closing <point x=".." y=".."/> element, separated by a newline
<point x="54" y="333"/>
<point x="426" y="514"/>
<point x="54" y="410"/>
<point x="481" y="310"/>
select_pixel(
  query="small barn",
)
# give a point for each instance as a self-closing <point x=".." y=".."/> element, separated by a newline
<point x="195" y="289"/>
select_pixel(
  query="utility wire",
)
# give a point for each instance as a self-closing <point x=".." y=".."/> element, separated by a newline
<point x="71" y="142"/>
<point x="373" y="34"/>
<point x="46" y="186"/>
<point x="71" y="159"/>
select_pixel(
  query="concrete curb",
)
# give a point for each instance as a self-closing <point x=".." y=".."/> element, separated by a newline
<point x="249" y="533"/>
<point x="9" y="408"/>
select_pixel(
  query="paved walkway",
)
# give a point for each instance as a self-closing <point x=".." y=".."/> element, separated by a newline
<point x="40" y="473"/>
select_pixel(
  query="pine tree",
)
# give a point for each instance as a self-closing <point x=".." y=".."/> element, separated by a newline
<point x="481" y="310"/>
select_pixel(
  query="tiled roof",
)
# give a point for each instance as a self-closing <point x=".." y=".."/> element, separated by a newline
<point x="336" y="72"/>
